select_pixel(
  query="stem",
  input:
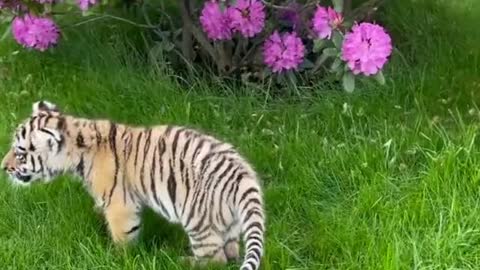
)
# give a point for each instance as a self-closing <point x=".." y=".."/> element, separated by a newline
<point x="187" y="36"/>
<point x="108" y="16"/>
<point x="268" y="4"/>
<point x="366" y="10"/>
<point x="347" y="6"/>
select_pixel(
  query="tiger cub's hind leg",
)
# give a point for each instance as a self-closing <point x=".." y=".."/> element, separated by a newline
<point x="232" y="250"/>
<point x="208" y="247"/>
<point x="123" y="222"/>
<point x="232" y="243"/>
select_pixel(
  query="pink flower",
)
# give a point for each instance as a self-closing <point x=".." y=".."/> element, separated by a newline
<point x="84" y="5"/>
<point x="283" y="52"/>
<point x="366" y="49"/>
<point x="325" y="20"/>
<point x="215" y="22"/>
<point x="35" y="32"/>
<point x="247" y="17"/>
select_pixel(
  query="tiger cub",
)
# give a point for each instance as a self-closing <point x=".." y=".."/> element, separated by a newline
<point x="187" y="177"/>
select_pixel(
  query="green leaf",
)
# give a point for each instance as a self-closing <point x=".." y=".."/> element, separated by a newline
<point x="318" y="45"/>
<point x="380" y="78"/>
<point x="330" y="52"/>
<point x="222" y="6"/>
<point x="348" y="81"/>
<point x="291" y="77"/>
<point x="87" y="12"/>
<point x="336" y="65"/>
<point x="338" y="5"/>
<point x="6" y="33"/>
<point x="337" y="39"/>
<point x="306" y="64"/>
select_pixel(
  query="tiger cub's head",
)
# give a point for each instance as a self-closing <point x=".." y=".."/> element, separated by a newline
<point x="37" y="148"/>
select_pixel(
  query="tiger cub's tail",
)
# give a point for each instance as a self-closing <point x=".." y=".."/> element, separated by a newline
<point x="253" y="225"/>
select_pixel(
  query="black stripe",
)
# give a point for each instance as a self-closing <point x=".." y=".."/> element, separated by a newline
<point x="185" y="173"/>
<point x="49" y="144"/>
<point x="153" y="168"/>
<point x="198" y="238"/>
<point x="200" y="223"/>
<point x="253" y="253"/>
<point x="172" y="188"/>
<point x="256" y="233"/>
<point x="254" y="224"/>
<point x="21" y="149"/>
<point x="225" y="185"/>
<point x="23" y="132"/>
<point x="47" y="119"/>
<point x="80" y="140"/>
<point x="175" y="143"/>
<point x="252" y="212"/>
<point x="31" y="122"/>
<point x="237" y="180"/>
<point x="31" y="147"/>
<point x="32" y="160"/>
<point x="97" y="134"/>
<point x="48" y="132"/>
<point x="248" y="192"/>
<point x="252" y="265"/>
<point x="146" y="148"/>
<point x="203" y="245"/>
<point x="124" y="179"/>
<point x="205" y="161"/>
<point x="210" y="180"/>
<point x="40" y="162"/>
<point x="39" y="119"/>
<point x="251" y="245"/>
<point x="215" y="190"/>
<point x="139" y="138"/>
<point x="81" y="167"/>
<point x="162" y="147"/>
<point x="133" y="229"/>
<point x="254" y="237"/>
<point x="215" y="170"/>
<point x="112" y="137"/>
<point x="197" y="150"/>
<point x="250" y="201"/>
<point x="129" y="146"/>
<point x="61" y="123"/>
<point x="60" y="144"/>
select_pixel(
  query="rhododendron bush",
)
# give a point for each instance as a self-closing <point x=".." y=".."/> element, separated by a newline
<point x="266" y="40"/>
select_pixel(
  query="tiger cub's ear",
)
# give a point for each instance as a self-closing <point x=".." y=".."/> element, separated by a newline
<point x="44" y="107"/>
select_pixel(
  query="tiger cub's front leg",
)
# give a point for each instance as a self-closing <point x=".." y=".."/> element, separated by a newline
<point x="123" y="221"/>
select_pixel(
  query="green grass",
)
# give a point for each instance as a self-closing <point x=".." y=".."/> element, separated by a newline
<point x="386" y="178"/>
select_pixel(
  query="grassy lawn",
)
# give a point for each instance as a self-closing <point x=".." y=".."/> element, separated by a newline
<point x="386" y="178"/>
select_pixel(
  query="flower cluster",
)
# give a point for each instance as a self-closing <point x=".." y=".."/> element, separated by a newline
<point x="246" y="17"/>
<point x="325" y="21"/>
<point x="86" y="4"/>
<point x="283" y="52"/>
<point x="366" y="49"/>
<point x="215" y="22"/>
<point x="32" y="30"/>
<point x="363" y="49"/>
<point x="35" y="32"/>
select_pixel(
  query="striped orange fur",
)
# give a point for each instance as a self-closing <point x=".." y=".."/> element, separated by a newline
<point x="186" y="176"/>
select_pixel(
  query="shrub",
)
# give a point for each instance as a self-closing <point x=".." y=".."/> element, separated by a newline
<point x="281" y="40"/>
